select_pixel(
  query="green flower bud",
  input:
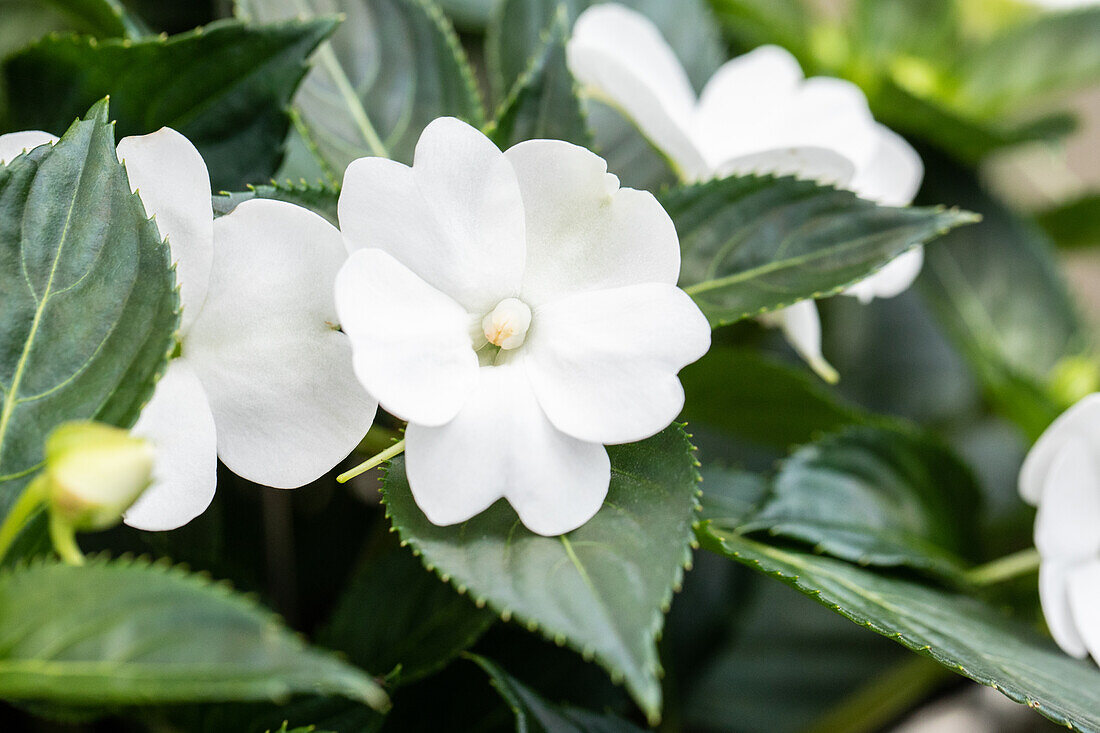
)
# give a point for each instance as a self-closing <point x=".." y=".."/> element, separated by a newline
<point x="94" y="473"/>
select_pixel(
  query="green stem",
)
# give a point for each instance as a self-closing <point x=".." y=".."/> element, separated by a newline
<point x="885" y="699"/>
<point x="64" y="541"/>
<point x="25" y="507"/>
<point x="393" y="451"/>
<point x="1005" y="568"/>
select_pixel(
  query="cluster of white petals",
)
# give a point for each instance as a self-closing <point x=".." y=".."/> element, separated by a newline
<point x="757" y="114"/>
<point x="263" y="379"/>
<point x="1061" y="476"/>
<point x="520" y="311"/>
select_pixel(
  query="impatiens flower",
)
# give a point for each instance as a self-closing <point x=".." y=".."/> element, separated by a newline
<point x="263" y="377"/>
<point x="520" y="311"/>
<point x="757" y="114"/>
<point x="1061" y="476"/>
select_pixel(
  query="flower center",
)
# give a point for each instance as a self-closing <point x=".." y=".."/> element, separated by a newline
<point x="507" y="325"/>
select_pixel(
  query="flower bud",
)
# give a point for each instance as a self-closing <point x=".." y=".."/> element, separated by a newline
<point x="94" y="472"/>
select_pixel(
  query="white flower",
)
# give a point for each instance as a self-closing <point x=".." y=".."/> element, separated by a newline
<point x="1061" y="476"/>
<point x="263" y="379"/>
<point x="1064" y="4"/>
<point x="757" y="114"/>
<point x="520" y="311"/>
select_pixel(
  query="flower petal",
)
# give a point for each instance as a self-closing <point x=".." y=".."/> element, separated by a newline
<point x="278" y="374"/>
<point x="620" y="57"/>
<point x="15" y="144"/>
<point x="583" y="231"/>
<point x="892" y="280"/>
<point x="1067" y="525"/>
<point x="502" y="445"/>
<point x="455" y="218"/>
<point x="1083" y="420"/>
<point x="411" y="343"/>
<point x="894" y="173"/>
<point x="179" y="424"/>
<point x="1054" y="595"/>
<point x="760" y="102"/>
<point x="1084" y="603"/>
<point x="801" y="325"/>
<point x="603" y="364"/>
<point x="169" y="175"/>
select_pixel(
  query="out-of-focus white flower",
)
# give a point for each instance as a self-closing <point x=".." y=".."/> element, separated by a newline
<point x="1064" y="4"/>
<point x="757" y="114"/>
<point x="1061" y="476"/>
<point x="263" y="379"/>
<point x="520" y="311"/>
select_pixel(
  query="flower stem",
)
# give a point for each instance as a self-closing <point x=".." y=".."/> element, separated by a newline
<point x="1005" y="568"/>
<point x="393" y="451"/>
<point x="29" y="502"/>
<point x="64" y="541"/>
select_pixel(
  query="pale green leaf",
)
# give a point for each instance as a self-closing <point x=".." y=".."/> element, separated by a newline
<point x="132" y="633"/>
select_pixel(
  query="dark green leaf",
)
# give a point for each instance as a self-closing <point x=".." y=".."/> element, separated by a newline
<point x="997" y="290"/>
<point x="963" y="634"/>
<point x="119" y="633"/>
<point x="88" y="296"/>
<point x="1075" y="224"/>
<point x="396" y="616"/>
<point x="391" y="68"/>
<point x="1051" y="54"/>
<point x="602" y="589"/>
<point x="468" y="14"/>
<point x="513" y="35"/>
<point x="319" y="199"/>
<point x="102" y="18"/>
<point x="745" y="394"/>
<point x="875" y="496"/>
<point x="225" y="87"/>
<point x="544" y="103"/>
<point x="536" y="715"/>
<point x="752" y="244"/>
<point x="785" y="663"/>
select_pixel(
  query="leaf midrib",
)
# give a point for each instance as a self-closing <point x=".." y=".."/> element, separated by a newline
<point x="12" y="396"/>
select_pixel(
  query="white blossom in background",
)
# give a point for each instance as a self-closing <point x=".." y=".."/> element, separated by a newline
<point x="757" y="114"/>
<point x="1061" y="476"/>
<point x="520" y="311"/>
<point x="1064" y="4"/>
<point x="263" y="379"/>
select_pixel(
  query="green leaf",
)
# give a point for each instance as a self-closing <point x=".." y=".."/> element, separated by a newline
<point x="395" y="617"/>
<point x="132" y="633"/>
<point x="513" y="35"/>
<point x="536" y="715"/>
<point x="103" y="18"/>
<point x="876" y="496"/>
<point x="1051" y="54"/>
<point x="888" y="29"/>
<point x="997" y="290"/>
<point x="603" y="588"/>
<point x="963" y="634"/>
<point x="785" y="662"/>
<point x="752" y="244"/>
<point x="1074" y="225"/>
<point x="391" y="68"/>
<point x="318" y="198"/>
<point x="468" y="14"/>
<point x="87" y="291"/>
<point x="768" y="402"/>
<point x="544" y="103"/>
<point x="752" y="23"/>
<point x="224" y="86"/>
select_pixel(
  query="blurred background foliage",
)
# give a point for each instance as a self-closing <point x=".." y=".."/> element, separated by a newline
<point x="998" y="337"/>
